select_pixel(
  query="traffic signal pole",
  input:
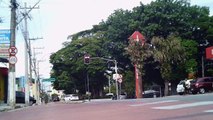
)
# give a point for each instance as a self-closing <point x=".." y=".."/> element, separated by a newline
<point x="116" y="81"/>
<point x="87" y="60"/>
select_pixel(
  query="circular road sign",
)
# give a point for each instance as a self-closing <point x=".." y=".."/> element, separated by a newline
<point x="13" y="50"/>
<point x="12" y="59"/>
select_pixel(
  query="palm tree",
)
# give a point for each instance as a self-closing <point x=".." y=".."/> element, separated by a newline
<point x="167" y="52"/>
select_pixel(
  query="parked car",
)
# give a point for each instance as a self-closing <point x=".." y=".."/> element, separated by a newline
<point x="110" y="95"/>
<point x="20" y="98"/>
<point x="71" y="97"/>
<point x="180" y="87"/>
<point x="55" y="98"/>
<point x="122" y="96"/>
<point x="202" y="85"/>
<point x="184" y="86"/>
<point x="151" y="94"/>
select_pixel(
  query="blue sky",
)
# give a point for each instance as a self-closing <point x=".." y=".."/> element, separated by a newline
<point x="56" y="19"/>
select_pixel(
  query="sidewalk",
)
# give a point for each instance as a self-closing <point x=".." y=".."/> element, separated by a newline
<point x="5" y="107"/>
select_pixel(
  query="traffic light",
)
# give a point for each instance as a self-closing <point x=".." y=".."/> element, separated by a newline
<point x="86" y="59"/>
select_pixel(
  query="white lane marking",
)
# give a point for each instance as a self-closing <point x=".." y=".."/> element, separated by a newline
<point x="172" y="107"/>
<point x="153" y="103"/>
<point x="209" y="111"/>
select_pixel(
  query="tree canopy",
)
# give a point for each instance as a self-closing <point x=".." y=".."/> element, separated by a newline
<point x="192" y="26"/>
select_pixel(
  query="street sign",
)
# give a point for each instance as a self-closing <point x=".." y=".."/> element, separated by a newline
<point x="120" y="80"/>
<point x="13" y="50"/>
<point x="48" y="80"/>
<point x="5" y="36"/>
<point x="117" y="77"/>
<point x="12" y="59"/>
<point x="86" y="59"/>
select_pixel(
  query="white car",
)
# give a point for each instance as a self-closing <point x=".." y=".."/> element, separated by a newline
<point x="180" y="87"/>
<point x="71" y="97"/>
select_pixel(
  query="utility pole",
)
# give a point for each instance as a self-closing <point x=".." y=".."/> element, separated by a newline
<point x="40" y="84"/>
<point x="27" y="94"/>
<point x="31" y="65"/>
<point x="37" y="88"/>
<point x="11" y="79"/>
<point x="27" y="51"/>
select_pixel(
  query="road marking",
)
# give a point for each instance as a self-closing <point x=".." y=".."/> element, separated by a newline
<point x="153" y="103"/>
<point x="172" y="107"/>
<point x="209" y="111"/>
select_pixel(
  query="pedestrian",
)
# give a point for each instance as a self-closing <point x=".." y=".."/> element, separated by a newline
<point x="184" y="86"/>
<point x="45" y="98"/>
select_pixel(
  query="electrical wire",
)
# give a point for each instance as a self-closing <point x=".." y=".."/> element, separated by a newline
<point x="5" y="3"/>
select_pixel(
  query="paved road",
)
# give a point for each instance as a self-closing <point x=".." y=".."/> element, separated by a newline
<point x="189" y="107"/>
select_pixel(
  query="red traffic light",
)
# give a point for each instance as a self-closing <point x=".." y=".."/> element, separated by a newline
<point x="86" y="59"/>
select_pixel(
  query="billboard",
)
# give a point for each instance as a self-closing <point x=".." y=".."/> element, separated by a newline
<point x="4" y="43"/>
<point x="4" y="36"/>
<point x="209" y="52"/>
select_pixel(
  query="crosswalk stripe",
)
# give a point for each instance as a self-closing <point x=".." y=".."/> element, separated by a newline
<point x="153" y="103"/>
<point x="172" y="107"/>
<point x="209" y="111"/>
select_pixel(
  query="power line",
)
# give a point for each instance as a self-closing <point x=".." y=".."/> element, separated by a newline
<point x="27" y="13"/>
<point x="5" y="3"/>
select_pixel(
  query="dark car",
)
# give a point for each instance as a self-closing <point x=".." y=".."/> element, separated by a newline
<point x="151" y="94"/>
<point x="55" y="98"/>
<point x="20" y="98"/>
<point x="202" y="85"/>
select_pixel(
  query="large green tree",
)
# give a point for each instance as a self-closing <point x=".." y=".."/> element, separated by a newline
<point x="160" y="18"/>
<point x="71" y="72"/>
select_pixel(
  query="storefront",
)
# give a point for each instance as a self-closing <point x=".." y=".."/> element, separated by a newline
<point x="3" y="84"/>
<point x="3" y="80"/>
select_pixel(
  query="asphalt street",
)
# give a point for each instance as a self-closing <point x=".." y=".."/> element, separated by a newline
<point x="187" y="107"/>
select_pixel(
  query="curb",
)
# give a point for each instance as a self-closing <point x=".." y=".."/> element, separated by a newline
<point x="73" y="102"/>
<point x="9" y="108"/>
